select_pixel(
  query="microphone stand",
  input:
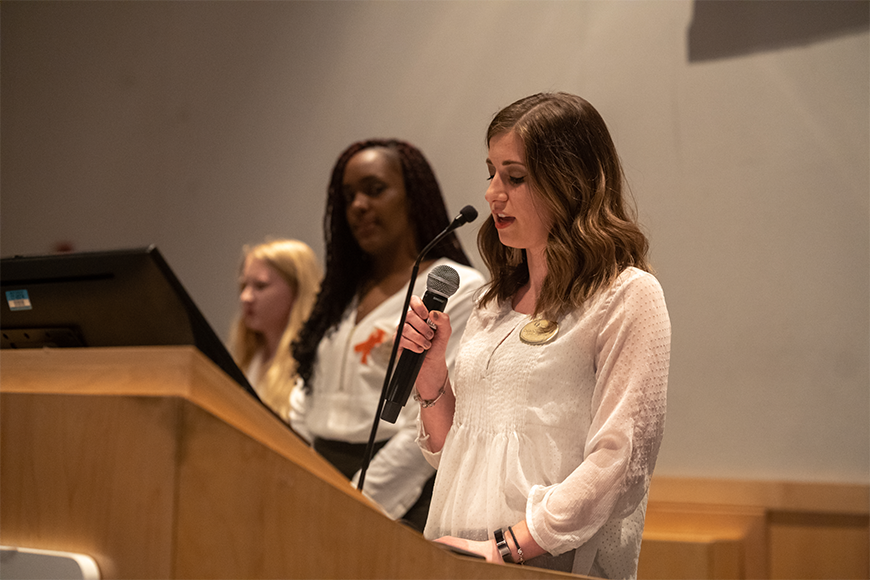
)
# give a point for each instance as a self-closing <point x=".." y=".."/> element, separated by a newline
<point x="459" y="220"/>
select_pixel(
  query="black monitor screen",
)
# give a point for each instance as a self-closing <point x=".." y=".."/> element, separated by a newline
<point x="112" y="298"/>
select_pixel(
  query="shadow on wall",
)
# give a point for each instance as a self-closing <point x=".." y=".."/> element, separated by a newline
<point x="725" y="28"/>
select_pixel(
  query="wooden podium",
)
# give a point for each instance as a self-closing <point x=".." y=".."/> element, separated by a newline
<point x="155" y="463"/>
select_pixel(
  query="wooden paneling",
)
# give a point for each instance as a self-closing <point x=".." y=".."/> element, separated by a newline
<point x="698" y="528"/>
<point x="772" y="495"/>
<point x="721" y="541"/>
<point x="88" y="475"/>
<point x="819" y="545"/>
<point x="157" y="465"/>
<point x="668" y="556"/>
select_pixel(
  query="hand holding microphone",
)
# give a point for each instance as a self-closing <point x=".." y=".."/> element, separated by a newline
<point x="395" y="391"/>
<point x="417" y="332"/>
<point x="436" y="354"/>
<point x="419" y="335"/>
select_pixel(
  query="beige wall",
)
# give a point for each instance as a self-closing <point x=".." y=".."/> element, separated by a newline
<point x="203" y="126"/>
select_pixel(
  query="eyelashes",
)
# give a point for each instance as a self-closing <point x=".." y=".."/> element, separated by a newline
<point x="513" y="180"/>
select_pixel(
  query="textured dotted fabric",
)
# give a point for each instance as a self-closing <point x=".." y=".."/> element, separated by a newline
<point x="564" y="435"/>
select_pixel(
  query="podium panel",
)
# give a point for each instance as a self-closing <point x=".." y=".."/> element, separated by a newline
<point x="154" y="463"/>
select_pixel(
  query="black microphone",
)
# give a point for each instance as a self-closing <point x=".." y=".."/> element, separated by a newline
<point x="466" y="214"/>
<point x="442" y="283"/>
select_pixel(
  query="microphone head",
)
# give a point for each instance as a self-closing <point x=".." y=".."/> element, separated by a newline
<point x="467" y="214"/>
<point x="443" y="280"/>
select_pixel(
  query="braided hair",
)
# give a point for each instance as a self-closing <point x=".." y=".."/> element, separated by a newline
<point x="347" y="264"/>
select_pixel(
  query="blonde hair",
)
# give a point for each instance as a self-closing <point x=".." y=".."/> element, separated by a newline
<point x="298" y="265"/>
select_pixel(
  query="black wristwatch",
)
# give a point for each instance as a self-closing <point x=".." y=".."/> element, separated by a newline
<point x="502" y="546"/>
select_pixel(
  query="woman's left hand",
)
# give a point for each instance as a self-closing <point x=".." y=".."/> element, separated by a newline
<point x="484" y="548"/>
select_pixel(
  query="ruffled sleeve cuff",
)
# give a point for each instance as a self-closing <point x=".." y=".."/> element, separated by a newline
<point x="434" y="459"/>
<point x="540" y="524"/>
<point x="534" y="519"/>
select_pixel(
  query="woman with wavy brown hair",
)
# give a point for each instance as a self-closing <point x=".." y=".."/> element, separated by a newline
<point x="546" y="433"/>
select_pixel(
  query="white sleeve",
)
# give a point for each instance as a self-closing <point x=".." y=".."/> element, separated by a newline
<point x="433" y="458"/>
<point x="298" y="405"/>
<point x="396" y="475"/>
<point x="631" y="360"/>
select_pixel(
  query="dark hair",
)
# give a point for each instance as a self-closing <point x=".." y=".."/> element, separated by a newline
<point x="346" y="263"/>
<point x="575" y="172"/>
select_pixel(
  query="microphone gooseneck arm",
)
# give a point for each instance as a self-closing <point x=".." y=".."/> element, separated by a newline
<point x="466" y="214"/>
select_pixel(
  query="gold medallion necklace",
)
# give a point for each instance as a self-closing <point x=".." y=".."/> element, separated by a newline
<point x="539" y="331"/>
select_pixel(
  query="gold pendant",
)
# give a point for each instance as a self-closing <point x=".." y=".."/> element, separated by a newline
<point x="539" y="331"/>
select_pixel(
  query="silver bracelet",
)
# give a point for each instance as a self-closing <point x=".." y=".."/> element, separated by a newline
<point x="426" y="403"/>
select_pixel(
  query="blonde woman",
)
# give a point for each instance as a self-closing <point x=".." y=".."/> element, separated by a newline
<point x="278" y="284"/>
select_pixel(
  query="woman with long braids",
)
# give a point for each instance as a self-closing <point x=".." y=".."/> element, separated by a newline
<point x="383" y="206"/>
<point x="548" y="433"/>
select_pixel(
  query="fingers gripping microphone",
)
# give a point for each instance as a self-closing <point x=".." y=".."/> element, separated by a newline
<point x="403" y="379"/>
<point x="442" y="283"/>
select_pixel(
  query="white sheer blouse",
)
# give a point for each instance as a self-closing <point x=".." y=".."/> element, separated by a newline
<point x="565" y="434"/>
